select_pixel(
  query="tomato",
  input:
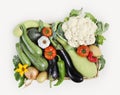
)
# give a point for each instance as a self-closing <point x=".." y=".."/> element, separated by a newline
<point x="50" y="52"/>
<point x="46" y="31"/>
<point x="83" y="51"/>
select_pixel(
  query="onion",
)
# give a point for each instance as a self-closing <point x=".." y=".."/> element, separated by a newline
<point x="32" y="73"/>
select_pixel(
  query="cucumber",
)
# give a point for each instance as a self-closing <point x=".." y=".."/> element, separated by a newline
<point x="33" y="48"/>
<point x="24" y="59"/>
<point x="39" y="62"/>
<point x="28" y="24"/>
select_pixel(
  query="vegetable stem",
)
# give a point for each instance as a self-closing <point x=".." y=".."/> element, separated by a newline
<point x="64" y="43"/>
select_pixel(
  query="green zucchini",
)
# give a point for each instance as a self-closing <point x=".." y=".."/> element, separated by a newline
<point x="17" y="31"/>
<point x="24" y="59"/>
<point x="32" y="47"/>
<point x="31" y="23"/>
<point x="28" y="24"/>
<point x="39" y="62"/>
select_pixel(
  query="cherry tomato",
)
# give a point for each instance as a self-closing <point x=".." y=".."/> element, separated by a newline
<point x="83" y="50"/>
<point x="46" y="31"/>
<point x="50" y="53"/>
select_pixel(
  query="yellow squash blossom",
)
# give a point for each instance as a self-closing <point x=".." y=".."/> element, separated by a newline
<point x="22" y="69"/>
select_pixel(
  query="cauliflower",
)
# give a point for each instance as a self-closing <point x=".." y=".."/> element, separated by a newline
<point x="79" y="31"/>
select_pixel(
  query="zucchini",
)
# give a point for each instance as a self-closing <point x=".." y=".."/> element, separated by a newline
<point x="24" y="59"/>
<point x="17" y="31"/>
<point x="31" y="23"/>
<point x="28" y="24"/>
<point x="32" y="47"/>
<point x="39" y="62"/>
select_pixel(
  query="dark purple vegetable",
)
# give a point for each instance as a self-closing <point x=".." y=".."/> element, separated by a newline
<point x="53" y="69"/>
<point x="71" y="71"/>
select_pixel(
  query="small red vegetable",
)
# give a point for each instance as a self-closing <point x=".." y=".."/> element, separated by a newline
<point x="91" y="58"/>
<point x="83" y="50"/>
<point x="46" y="31"/>
<point x="50" y="53"/>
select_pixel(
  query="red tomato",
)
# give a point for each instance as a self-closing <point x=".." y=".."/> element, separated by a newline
<point x="50" y="53"/>
<point x="83" y="50"/>
<point x="46" y="31"/>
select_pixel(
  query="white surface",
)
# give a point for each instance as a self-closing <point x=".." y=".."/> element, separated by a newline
<point x="13" y="12"/>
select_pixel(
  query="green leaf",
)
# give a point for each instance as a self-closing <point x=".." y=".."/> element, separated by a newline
<point x="59" y="30"/>
<point x="75" y="12"/>
<point x="16" y="61"/>
<point x="17" y="76"/>
<point x="22" y="81"/>
<point x="101" y="28"/>
<point x="101" y="63"/>
<point x="66" y="19"/>
<point x="99" y="39"/>
<point x="106" y="26"/>
<point x="55" y="25"/>
<point x="89" y="15"/>
<point x="41" y="25"/>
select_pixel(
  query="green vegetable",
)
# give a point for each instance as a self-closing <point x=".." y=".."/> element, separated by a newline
<point x="22" y="81"/>
<point x="17" y="76"/>
<point x="40" y="26"/>
<point x="33" y="48"/>
<point x="28" y="24"/>
<point x="75" y="12"/>
<point x="55" y="25"/>
<point x="38" y="61"/>
<point x="61" y="69"/>
<point x="86" y="68"/>
<point x="101" y="28"/>
<point x="101" y="62"/>
<point x="99" y="39"/>
<point x="16" y="61"/>
<point x="66" y="19"/>
<point x="89" y="15"/>
<point x="24" y="59"/>
<point x="17" y="31"/>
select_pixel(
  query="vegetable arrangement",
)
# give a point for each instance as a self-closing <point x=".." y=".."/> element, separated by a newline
<point x="65" y="49"/>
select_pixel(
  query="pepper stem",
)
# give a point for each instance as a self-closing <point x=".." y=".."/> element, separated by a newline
<point x="58" y="58"/>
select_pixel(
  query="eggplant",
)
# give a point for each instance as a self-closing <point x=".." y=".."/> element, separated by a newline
<point x="71" y="71"/>
<point x="53" y="69"/>
<point x="73" y="76"/>
<point x="34" y="34"/>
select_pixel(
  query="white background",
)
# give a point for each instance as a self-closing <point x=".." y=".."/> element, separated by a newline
<point x="13" y="12"/>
